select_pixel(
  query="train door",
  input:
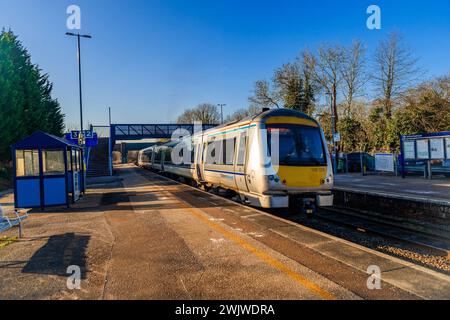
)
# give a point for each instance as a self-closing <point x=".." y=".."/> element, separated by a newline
<point x="240" y="162"/>
<point x="199" y="163"/>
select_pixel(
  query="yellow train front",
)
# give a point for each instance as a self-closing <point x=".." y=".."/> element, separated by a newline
<point x="297" y="169"/>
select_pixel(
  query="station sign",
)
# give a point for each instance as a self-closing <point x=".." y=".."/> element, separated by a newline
<point x="88" y="138"/>
<point x="385" y="162"/>
<point x="337" y="137"/>
<point x="75" y="134"/>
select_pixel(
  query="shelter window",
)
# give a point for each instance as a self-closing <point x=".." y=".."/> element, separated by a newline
<point x="53" y="162"/>
<point x="27" y="163"/>
<point x="78" y="153"/>
<point x="69" y="161"/>
<point x="76" y="160"/>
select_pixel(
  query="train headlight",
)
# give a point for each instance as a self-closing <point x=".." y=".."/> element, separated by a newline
<point x="274" y="178"/>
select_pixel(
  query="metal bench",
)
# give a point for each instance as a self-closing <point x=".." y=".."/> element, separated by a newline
<point x="7" y="223"/>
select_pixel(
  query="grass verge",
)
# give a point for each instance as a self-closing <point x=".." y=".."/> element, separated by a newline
<point x="6" y="241"/>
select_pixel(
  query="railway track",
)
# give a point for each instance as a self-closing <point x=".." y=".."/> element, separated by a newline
<point x="351" y="219"/>
<point x="413" y="246"/>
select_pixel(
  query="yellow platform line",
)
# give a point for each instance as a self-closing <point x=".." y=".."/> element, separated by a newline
<point x="265" y="257"/>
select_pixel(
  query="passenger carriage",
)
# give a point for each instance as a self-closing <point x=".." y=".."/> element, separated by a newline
<point x="276" y="159"/>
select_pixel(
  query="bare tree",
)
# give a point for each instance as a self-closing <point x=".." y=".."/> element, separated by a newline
<point x="353" y="73"/>
<point x="264" y="97"/>
<point x="326" y="71"/>
<point x="395" y="71"/>
<point x="243" y="113"/>
<point x="206" y="113"/>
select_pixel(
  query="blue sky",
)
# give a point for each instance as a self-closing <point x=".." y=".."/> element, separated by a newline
<point x="149" y="60"/>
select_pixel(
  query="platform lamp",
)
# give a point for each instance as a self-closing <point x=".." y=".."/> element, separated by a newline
<point x="79" y="36"/>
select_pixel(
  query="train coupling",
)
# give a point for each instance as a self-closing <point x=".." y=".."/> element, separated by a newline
<point x="309" y="207"/>
<point x="305" y="206"/>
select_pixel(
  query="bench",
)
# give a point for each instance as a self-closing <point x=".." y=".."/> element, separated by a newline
<point x="7" y="223"/>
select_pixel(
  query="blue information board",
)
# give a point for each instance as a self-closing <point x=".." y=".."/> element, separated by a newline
<point x="425" y="148"/>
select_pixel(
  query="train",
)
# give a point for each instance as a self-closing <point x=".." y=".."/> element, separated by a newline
<point x="278" y="158"/>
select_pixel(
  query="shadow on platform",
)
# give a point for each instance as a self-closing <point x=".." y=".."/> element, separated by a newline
<point x="60" y="252"/>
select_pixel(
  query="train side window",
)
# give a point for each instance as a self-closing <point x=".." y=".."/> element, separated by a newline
<point x="193" y="147"/>
<point x="211" y="154"/>
<point x="181" y="155"/>
<point x="242" y="149"/>
<point x="158" y="156"/>
<point x="214" y="152"/>
<point x="228" y="151"/>
<point x="168" y="156"/>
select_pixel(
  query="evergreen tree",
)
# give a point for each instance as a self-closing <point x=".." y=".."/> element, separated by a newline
<point x="26" y="104"/>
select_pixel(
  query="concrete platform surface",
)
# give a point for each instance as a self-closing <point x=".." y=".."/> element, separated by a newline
<point x="414" y="188"/>
<point x="146" y="237"/>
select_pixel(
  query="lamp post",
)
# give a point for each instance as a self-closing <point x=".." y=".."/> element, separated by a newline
<point x="221" y="111"/>
<point x="333" y="131"/>
<point x="110" y="145"/>
<point x="79" y="36"/>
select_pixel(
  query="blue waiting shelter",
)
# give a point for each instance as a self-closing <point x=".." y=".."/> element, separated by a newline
<point x="48" y="171"/>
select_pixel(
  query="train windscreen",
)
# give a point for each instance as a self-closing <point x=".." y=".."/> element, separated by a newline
<point x="298" y="145"/>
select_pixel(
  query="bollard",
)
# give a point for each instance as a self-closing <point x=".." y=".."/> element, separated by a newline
<point x="346" y="163"/>
<point x="361" y="160"/>
<point x="429" y="170"/>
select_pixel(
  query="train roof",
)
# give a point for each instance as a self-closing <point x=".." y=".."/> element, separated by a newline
<point x="264" y="114"/>
<point x="259" y="117"/>
<point x="281" y="112"/>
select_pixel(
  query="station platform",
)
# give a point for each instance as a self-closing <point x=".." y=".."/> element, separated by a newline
<point x="412" y="188"/>
<point x="415" y="203"/>
<point x="142" y="236"/>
